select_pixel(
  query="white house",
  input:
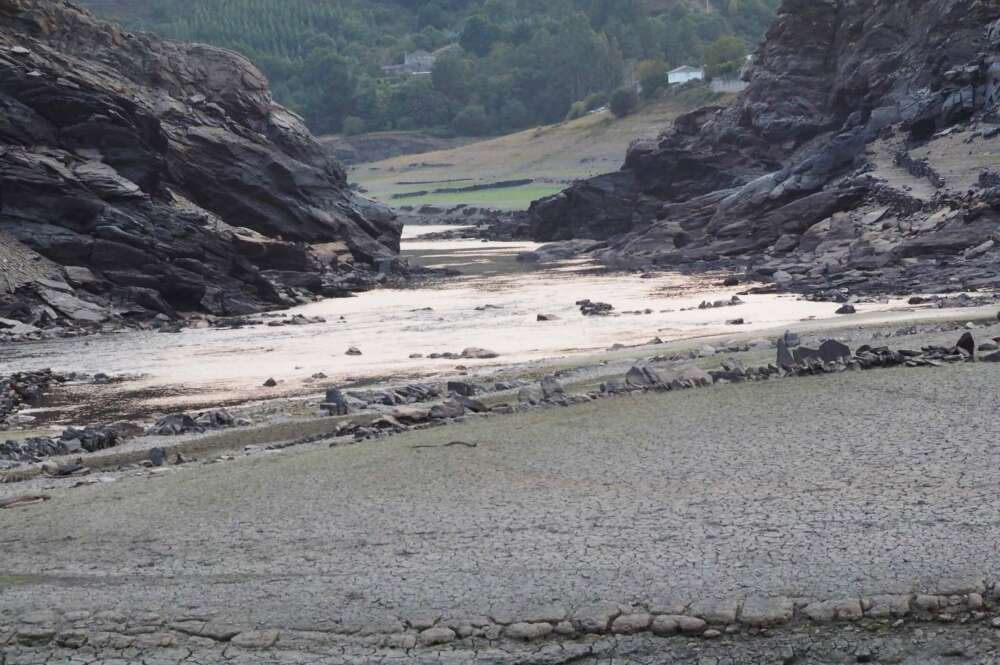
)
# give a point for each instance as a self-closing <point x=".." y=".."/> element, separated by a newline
<point x="420" y="61"/>
<point x="417" y="63"/>
<point x="685" y="74"/>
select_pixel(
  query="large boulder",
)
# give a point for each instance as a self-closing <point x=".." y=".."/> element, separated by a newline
<point x="784" y="181"/>
<point x="164" y="167"/>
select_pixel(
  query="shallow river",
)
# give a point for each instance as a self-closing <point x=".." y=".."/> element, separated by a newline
<point x="493" y="306"/>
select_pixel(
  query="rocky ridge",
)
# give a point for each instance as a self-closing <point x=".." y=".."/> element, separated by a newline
<point x="859" y="159"/>
<point x="141" y="178"/>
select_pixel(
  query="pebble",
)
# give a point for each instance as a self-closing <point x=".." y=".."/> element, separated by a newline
<point x="437" y="635"/>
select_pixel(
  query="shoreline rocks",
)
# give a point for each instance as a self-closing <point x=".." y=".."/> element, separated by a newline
<point x="212" y="199"/>
<point x="841" y="170"/>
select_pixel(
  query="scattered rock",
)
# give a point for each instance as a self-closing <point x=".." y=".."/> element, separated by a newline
<point x="527" y="632"/>
<point x="967" y="343"/>
<point x="590" y="308"/>
<point x="158" y="456"/>
<point x="353" y="351"/>
<point x="447" y="410"/>
<point x="436" y="635"/>
<point x="335" y="403"/>
<point x="629" y="624"/>
<point x="479" y="354"/>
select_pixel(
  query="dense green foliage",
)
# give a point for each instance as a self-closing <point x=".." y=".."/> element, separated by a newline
<point x="624" y="101"/>
<point x="514" y="63"/>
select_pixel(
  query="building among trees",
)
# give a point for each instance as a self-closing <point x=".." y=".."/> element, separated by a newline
<point x="685" y="74"/>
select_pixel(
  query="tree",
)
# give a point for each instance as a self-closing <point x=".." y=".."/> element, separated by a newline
<point x="514" y="115"/>
<point x="726" y="55"/>
<point x="577" y="110"/>
<point x="525" y="61"/>
<point x="652" y="75"/>
<point x="623" y="102"/>
<point x="479" y="35"/>
<point x="353" y="125"/>
<point x="451" y="76"/>
<point x="472" y="121"/>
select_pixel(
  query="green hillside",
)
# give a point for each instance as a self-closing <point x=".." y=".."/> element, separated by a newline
<point x="514" y="63"/>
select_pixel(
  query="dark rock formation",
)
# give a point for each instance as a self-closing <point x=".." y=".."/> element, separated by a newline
<point x="161" y="178"/>
<point x="844" y="165"/>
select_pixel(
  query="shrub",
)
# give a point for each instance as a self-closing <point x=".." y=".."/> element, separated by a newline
<point x="472" y="121"/>
<point x="577" y="110"/>
<point x="652" y="75"/>
<point x="623" y="102"/>
<point x="595" y="101"/>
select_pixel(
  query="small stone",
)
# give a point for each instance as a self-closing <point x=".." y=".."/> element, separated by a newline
<point x="255" y="639"/>
<point x="270" y="383"/>
<point x="399" y="641"/>
<point x="975" y="601"/>
<point x="158" y="456"/>
<point x="711" y="634"/>
<point x="883" y="607"/>
<point x="846" y="609"/>
<point x="928" y="602"/>
<point x="219" y="632"/>
<point x="596" y="619"/>
<point x="667" y="624"/>
<point x="967" y="343"/>
<point x="847" y="309"/>
<point x="354" y="351"/>
<point x="629" y="624"/>
<point x="565" y="628"/>
<point x="763" y="612"/>
<point x="691" y="625"/>
<point x="71" y="639"/>
<point x="437" y="635"/>
<point x="527" y="632"/>
<point x="716" y="611"/>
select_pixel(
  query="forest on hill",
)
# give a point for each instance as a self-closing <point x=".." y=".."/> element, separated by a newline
<point x="501" y="65"/>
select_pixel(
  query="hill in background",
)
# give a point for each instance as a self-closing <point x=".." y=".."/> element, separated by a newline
<point x="511" y="171"/>
<point x="507" y="64"/>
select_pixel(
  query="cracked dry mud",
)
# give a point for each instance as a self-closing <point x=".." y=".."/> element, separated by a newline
<point x="844" y="518"/>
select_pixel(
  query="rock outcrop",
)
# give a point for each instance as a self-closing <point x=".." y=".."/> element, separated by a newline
<point x="140" y="177"/>
<point x="858" y="158"/>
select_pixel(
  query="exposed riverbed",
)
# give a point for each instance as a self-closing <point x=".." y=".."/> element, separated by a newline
<point x="494" y="305"/>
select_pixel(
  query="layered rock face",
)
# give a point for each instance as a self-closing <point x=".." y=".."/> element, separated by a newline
<point x="140" y="176"/>
<point x="861" y="156"/>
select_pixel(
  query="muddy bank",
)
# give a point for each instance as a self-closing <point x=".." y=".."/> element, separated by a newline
<point x="405" y="334"/>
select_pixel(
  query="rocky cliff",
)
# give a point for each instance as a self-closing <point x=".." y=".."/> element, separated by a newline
<point x="861" y="157"/>
<point x="142" y="177"/>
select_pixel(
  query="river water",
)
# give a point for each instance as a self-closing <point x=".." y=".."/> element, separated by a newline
<point x="494" y="305"/>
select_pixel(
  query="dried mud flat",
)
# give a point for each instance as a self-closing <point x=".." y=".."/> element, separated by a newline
<point x="839" y="518"/>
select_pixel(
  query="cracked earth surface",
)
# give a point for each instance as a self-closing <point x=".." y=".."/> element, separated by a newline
<point x="837" y="487"/>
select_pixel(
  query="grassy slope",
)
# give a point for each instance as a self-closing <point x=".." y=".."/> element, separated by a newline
<point x="554" y="156"/>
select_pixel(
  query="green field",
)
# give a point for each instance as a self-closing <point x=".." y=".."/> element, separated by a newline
<point x="554" y="156"/>
<point x="508" y="198"/>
